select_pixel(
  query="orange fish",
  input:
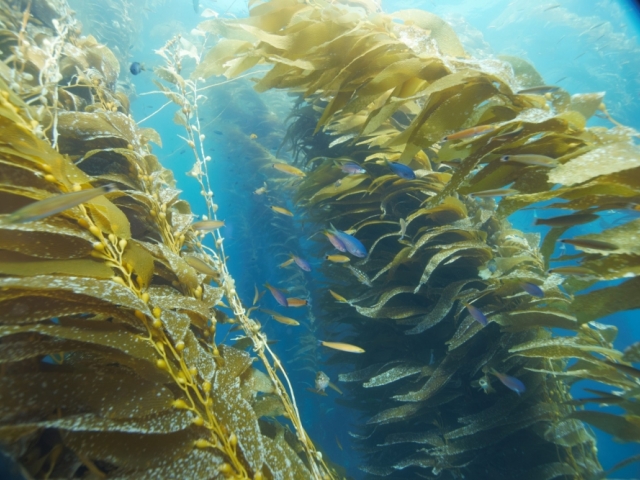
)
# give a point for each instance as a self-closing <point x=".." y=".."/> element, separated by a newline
<point x="469" y="132"/>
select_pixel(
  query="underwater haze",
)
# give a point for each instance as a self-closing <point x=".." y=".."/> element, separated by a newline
<point x="403" y="239"/>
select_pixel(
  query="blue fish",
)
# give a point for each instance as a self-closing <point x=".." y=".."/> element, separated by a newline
<point x="352" y="168"/>
<point x="136" y="67"/>
<point x="402" y="170"/>
<point x="278" y="295"/>
<point x="512" y="383"/>
<point x="477" y="315"/>
<point x="351" y="243"/>
<point x="532" y="289"/>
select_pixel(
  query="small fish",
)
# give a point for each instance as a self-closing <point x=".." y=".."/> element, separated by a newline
<point x="281" y="318"/>
<point x="286" y="168"/>
<point x="217" y="132"/>
<point x="256" y="295"/>
<point x="403" y="228"/>
<point x="540" y="90"/>
<point x="196" y="5"/>
<point x="280" y="210"/>
<point x="572" y="271"/>
<point x="201" y="266"/>
<point x="360" y="275"/>
<point x="337" y="183"/>
<point x="590" y="244"/>
<point x="402" y="170"/>
<point x="297" y="302"/>
<point x="512" y="383"/>
<point x="262" y="190"/>
<point x="352" y="168"/>
<point x="500" y="192"/>
<point x="55" y="204"/>
<point x="302" y="263"/>
<point x="337" y="258"/>
<point x="286" y="264"/>
<point x="477" y="315"/>
<point x="551" y="8"/>
<point x="351" y="243"/>
<point x="136" y="67"/>
<point x="567" y="220"/>
<point x="278" y="295"/>
<point x="207" y="225"/>
<point x="338" y="297"/>
<point x="338" y="443"/>
<point x="532" y="289"/>
<point x="484" y="384"/>
<point x="507" y="135"/>
<point x="343" y="347"/>
<point x="535" y="160"/>
<point x="335" y="241"/>
<point x="469" y="132"/>
<point x="253" y="136"/>
<point x="322" y="381"/>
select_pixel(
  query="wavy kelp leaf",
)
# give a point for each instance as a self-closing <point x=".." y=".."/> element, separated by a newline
<point x="80" y="132"/>
<point x="392" y="375"/>
<point x="141" y="263"/>
<point x="601" y="161"/>
<point x="176" y="324"/>
<point x="610" y="267"/>
<point x="122" y="448"/>
<point x="374" y="310"/>
<point x="281" y="461"/>
<point x="605" y="301"/>
<point x="568" y="433"/>
<point x="35" y="395"/>
<point x="85" y="267"/>
<point x="429" y="438"/>
<point x="525" y="319"/>
<point x="441" y="309"/>
<point x="625" y="237"/>
<point x="549" y="471"/>
<point x="624" y="427"/>
<point x="195" y="464"/>
<point x="360" y="375"/>
<point x="562" y="347"/>
<point x="195" y="356"/>
<point x="632" y="353"/>
<point x="468" y="328"/>
<point x="417" y="460"/>
<point x="440" y="30"/>
<point x="525" y="73"/>
<point x="395" y="414"/>
<point x="109" y="218"/>
<point x="586" y="103"/>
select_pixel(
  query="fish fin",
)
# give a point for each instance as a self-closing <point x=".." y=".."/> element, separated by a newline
<point x="331" y="385"/>
<point x="317" y="392"/>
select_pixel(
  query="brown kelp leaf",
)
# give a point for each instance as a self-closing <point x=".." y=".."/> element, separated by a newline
<point x="441" y="309"/>
<point x="392" y="375"/>
<point x="605" y="301"/>
<point x="167" y="298"/>
<point x="525" y="319"/>
<point x="604" y="160"/>
<point x="562" y="347"/>
<point x="374" y="310"/>
<point x="395" y="414"/>
<point x="109" y="218"/>
<point x="176" y="324"/>
<point x="360" y="375"/>
<point x="84" y="267"/>
<point x="568" y="433"/>
<point x="195" y="464"/>
<point x="632" y="353"/>
<point x="195" y="356"/>
<point x="141" y="262"/>
<point x="625" y="237"/>
<point x="586" y="103"/>
<point x="623" y="427"/>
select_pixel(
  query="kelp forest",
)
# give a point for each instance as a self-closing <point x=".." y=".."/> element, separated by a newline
<point x="459" y="336"/>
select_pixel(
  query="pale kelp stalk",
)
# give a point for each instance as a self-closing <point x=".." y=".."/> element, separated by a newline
<point x="378" y="91"/>
<point x="107" y="333"/>
<point x="186" y="94"/>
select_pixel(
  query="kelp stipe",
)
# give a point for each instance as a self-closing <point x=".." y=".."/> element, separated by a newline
<point x="376" y="91"/>
<point x="107" y="334"/>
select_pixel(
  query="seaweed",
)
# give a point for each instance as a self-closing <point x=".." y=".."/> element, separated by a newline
<point x="376" y="88"/>
<point x="109" y="361"/>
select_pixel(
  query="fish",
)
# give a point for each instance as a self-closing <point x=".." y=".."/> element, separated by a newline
<point x="286" y="264"/>
<point x="207" y="225"/>
<point x="590" y="244"/>
<point x="55" y="204"/>
<point x="196" y="5"/>
<point x="351" y="243"/>
<point x="253" y="136"/>
<point x="361" y="276"/>
<point x="338" y="297"/>
<point x="484" y="384"/>
<point x="262" y="190"/>
<point x="506" y="135"/>
<point x="343" y="347"/>
<point x="551" y="8"/>
<point x="136" y="67"/>
<point x="301" y="262"/>
<point x="499" y="192"/>
<point x="280" y="210"/>
<point x="540" y="90"/>
<point x="338" y="443"/>
<point x="297" y="302"/>
<point x="567" y="220"/>
<point x="532" y="289"/>
<point x="535" y="160"/>
<point x="337" y="258"/>
<point x="512" y="383"/>
<point x="477" y="315"/>
<point x="278" y="295"/>
<point x="403" y="228"/>
<point x="256" y="295"/>
<point x="288" y="169"/>
<point x="217" y="132"/>
<point x="352" y="168"/>
<point x="281" y="318"/>
<point x="469" y="132"/>
<point x="201" y="266"/>
<point x="402" y="170"/>
<point x="323" y="381"/>
<point x="335" y="241"/>
<point x="572" y="271"/>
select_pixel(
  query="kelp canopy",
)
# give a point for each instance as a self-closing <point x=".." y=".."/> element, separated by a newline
<point x="108" y="310"/>
<point x="378" y="88"/>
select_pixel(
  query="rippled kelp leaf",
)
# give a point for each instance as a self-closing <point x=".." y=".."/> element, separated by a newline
<point x="549" y="471"/>
<point x="605" y="301"/>
<point x="80" y="131"/>
<point x="562" y="347"/>
<point x="195" y="464"/>
<point x="195" y="356"/>
<point x="568" y="433"/>
<point x="626" y="237"/>
<point x="439" y="30"/>
<point x="109" y="218"/>
<point x="392" y="375"/>
<point x="441" y="309"/>
<point x="85" y="267"/>
<point x="586" y="103"/>
<point x="632" y="353"/>
<point x="429" y="438"/>
<point x="623" y="427"/>
<point x="525" y="319"/>
<point x="395" y="414"/>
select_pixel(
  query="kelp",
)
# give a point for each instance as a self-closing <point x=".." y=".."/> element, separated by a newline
<point x="110" y="365"/>
<point x="377" y="87"/>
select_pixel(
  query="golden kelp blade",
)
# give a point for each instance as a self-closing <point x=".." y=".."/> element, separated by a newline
<point x="285" y="168"/>
<point x="207" y="225"/>
<point x="282" y="211"/>
<point x="343" y="347"/>
<point x="56" y="204"/>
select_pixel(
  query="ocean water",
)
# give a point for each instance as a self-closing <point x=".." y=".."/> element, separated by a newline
<point x="580" y="46"/>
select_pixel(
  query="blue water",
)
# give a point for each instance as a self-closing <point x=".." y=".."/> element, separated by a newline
<point x="583" y="46"/>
